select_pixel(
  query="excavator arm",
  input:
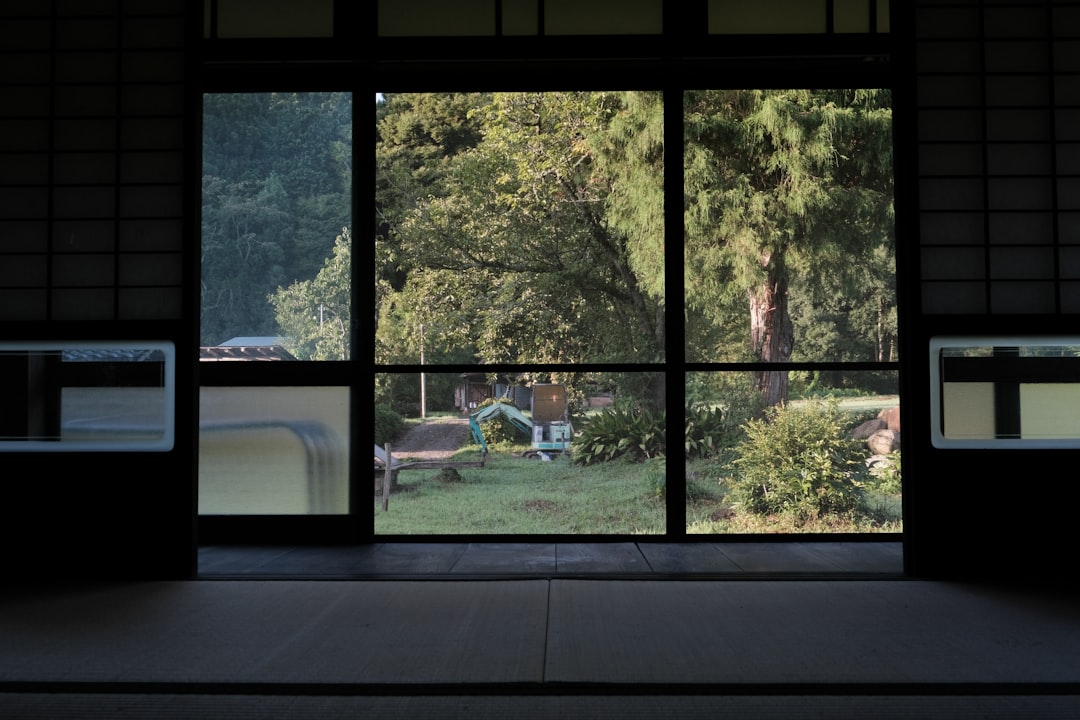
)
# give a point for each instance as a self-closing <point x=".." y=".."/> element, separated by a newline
<point x="515" y="416"/>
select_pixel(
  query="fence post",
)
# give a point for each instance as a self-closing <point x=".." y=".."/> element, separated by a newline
<point x="386" y="479"/>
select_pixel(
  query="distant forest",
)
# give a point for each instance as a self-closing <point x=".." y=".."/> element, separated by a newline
<point x="277" y="177"/>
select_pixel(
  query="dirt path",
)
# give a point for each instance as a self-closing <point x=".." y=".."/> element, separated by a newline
<point x="435" y="439"/>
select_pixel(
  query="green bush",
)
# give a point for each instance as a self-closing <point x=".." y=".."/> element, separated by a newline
<point x="614" y="433"/>
<point x="499" y="430"/>
<point x="798" y="461"/>
<point x="885" y="478"/>
<point x="388" y="424"/>
<point x="708" y="431"/>
<point x="718" y="407"/>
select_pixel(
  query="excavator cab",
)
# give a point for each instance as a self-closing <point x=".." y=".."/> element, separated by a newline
<point x="551" y="429"/>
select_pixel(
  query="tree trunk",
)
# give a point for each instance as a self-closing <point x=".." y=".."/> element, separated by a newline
<point x="772" y="335"/>
<point x="650" y="326"/>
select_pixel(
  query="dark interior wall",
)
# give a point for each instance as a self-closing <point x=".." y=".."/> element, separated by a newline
<point x="95" y="169"/>
<point x="98" y="516"/>
<point x="96" y="233"/>
<point x="995" y="93"/>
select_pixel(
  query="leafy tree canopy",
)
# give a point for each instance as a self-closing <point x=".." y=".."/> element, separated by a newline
<point x="314" y="316"/>
<point x="785" y="189"/>
<point x="523" y="216"/>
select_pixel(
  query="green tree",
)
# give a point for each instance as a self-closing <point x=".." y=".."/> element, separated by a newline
<point x="242" y="252"/>
<point x="780" y="184"/>
<point x="314" y="316"/>
<point x="848" y="315"/>
<point x="276" y="186"/>
<point x="522" y="216"/>
<point x="416" y="138"/>
<point x="630" y="151"/>
<point x="437" y="300"/>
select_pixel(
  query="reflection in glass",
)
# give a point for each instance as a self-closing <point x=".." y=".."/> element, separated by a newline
<point x="87" y="396"/>
<point x="1019" y="392"/>
<point x="273" y="451"/>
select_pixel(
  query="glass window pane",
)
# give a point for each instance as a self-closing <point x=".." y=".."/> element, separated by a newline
<point x="528" y="453"/>
<point x="828" y="461"/>
<point x="423" y="18"/>
<point x="87" y="396"/>
<point x="276" y="238"/>
<point x="273" y="450"/>
<point x="1005" y="392"/>
<point x="275" y="18"/>
<point x="519" y="228"/>
<point x="736" y="17"/>
<point x="790" y="247"/>
<point x="519" y="17"/>
<point x="851" y="16"/>
<point x="603" y="17"/>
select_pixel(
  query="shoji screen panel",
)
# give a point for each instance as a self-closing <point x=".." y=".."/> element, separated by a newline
<point x="91" y="151"/>
<point x="997" y="179"/>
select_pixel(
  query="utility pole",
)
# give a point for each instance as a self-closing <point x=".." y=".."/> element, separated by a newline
<point x="423" y="384"/>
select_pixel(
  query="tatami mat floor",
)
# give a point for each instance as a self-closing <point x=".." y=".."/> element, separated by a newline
<point x="533" y="648"/>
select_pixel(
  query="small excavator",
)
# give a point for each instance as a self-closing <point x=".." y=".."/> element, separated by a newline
<point x="549" y="428"/>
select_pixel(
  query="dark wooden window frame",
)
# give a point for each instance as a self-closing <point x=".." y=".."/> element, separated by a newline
<point x="683" y="57"/>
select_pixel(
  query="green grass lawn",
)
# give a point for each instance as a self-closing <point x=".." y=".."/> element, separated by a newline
<point x="861" y="403"/>
<point x="518" y="496"/>
<point x="513" y="495"/>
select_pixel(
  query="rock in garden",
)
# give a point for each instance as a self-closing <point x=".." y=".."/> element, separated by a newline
<point x="883" y="442"/>
<point x="867" y="429"/>
<point x="891" y="416"/>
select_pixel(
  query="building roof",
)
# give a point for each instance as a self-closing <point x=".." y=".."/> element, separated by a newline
<point x="244" y="352"/>
<point x="253" y="341"/>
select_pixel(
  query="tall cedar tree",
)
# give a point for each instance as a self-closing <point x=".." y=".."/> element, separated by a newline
<point x="780" y="182"/>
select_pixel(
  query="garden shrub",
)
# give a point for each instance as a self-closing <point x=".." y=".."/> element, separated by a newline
<point x="708" y="431"/>
<point x="388" y="424"/>
<point x="885" y="478"/>
<point x="613" y="433"/>
<point x="718" y="408"/>
<point x="799" y="462"/>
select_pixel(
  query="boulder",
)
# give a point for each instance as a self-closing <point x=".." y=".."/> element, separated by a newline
<point x="876" y="461"/>
<point x="883" y="442"/>
<point x="867" y="429"/>
<point x="891" y="416"/>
